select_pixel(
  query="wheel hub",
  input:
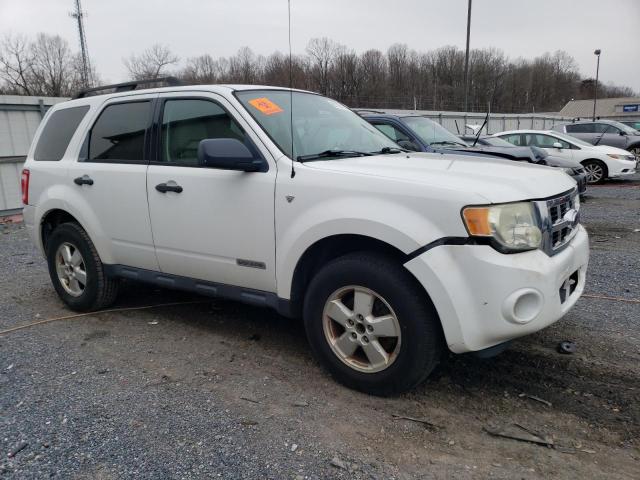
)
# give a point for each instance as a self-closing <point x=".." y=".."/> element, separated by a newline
<point x="71" y="269"/>
<point x="361" y="329"/>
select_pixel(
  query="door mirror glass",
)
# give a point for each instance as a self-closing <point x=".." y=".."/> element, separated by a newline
<point x="228" y="154"/>
<point x="557" y="145"/>
<point x="408" y="145"/>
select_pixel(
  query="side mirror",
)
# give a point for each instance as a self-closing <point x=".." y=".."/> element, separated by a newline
<point x="228" y="154"/>
<point x="623" y="134"/>
<point x="408" y="145"/>
<point x="557" y="145"/>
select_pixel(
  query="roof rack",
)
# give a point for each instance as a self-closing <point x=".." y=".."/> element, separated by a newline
<point x="128" y="86"/>
<point x="357" y="110"/>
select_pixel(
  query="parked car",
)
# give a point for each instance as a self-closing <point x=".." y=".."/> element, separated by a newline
<point x="600" y="162"/>
<point x="572" y="168"/>
<point x="385" y="254"/>
<point x="635" y="124"/>
<point x="420" y="134"/>
<point x="604" y="132"/>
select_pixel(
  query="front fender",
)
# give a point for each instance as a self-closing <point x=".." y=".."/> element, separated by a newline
<point x="386" y="221"/>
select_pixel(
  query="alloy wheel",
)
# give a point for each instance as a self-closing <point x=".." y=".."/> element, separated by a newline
<point x="71" y="269"/>
<point x="361" y="328"/>
<point x="594" y="172"/>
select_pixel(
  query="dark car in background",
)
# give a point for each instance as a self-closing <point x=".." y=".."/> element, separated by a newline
<point x="418" y="133"/>
<point x="604" y="132"/>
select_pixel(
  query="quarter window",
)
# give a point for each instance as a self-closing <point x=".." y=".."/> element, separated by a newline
<point x="186" y="122"/>
<point x="118" y="134"/>
<point x="57" y="133"/>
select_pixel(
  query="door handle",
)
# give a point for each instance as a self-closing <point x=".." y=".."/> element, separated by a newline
<point x="83" y="180"/>
<point x="164" y="188"/>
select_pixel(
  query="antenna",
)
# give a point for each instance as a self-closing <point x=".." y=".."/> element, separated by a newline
<point x="293" y="159"/>
<point x="85" y="72"/>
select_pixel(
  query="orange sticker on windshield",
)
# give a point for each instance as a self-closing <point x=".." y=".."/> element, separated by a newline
<point x="265" y="105"/>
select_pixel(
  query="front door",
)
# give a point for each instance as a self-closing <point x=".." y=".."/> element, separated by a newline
<point x="549" y="143"/>
<point x="215" y="225"/>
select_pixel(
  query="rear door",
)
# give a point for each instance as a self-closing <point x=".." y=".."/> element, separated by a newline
<point x="219" y="225"/>
<point x="583" y="131"/>
<point x="110" y="179"/>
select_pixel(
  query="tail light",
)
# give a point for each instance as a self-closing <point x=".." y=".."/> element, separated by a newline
<point x="24" y="185"/>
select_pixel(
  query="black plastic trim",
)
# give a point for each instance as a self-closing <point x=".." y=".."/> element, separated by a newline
<point x="211" y="289"/>
<point x="441" y="241"/>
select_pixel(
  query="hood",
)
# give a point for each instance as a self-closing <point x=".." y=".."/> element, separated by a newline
<point x="523" y="154"/>
<point x="495" y="180"/>
<point x="554" y="161"/>
<point x="613" y="150"/>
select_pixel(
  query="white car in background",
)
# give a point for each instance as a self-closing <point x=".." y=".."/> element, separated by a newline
<point x="600" y="162"/>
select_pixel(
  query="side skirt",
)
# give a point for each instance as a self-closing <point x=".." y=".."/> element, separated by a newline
<point x="210" y="289"/>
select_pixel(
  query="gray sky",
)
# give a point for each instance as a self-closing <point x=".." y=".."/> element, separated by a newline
<point x="521" y="28"/>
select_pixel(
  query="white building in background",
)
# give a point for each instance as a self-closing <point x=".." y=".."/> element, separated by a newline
<point x="19" y="119"/>
<point x="623" y="108"/>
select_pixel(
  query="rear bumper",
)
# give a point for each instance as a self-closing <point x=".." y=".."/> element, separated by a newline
<point x="29" y="219"/>
<point x="485" y="298"/>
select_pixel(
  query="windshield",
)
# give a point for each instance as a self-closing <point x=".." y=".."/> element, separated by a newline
<point x="496" y="142"/>
<point x="432" y="133"/>
<point x="574" y="140"/>
<point x="319" y="124"/>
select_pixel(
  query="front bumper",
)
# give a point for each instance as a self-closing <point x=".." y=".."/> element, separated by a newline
<point x="623" y="167"/>
<point x="485" y="298"/>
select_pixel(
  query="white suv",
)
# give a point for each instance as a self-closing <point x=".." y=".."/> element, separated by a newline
<point x="388" y="255"/>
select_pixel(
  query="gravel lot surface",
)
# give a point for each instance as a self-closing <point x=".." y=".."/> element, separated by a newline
<point x="218" y="389"/>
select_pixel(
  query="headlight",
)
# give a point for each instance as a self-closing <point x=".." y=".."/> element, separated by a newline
<point x="568" y="171"/>
<point x="620" y="157"/>
<point x="512" y="226"/>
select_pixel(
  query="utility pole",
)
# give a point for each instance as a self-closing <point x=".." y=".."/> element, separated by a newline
<point x="466" y="62"/>
<point x="595" y="90"/>
<point x="85" y="73"/>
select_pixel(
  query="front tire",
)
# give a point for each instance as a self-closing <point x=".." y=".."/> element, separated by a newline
<point x="371" y="325"/>
<point x="596" y="171"/>
<point x="635" y="151"/>
<point x="76" y="271"/>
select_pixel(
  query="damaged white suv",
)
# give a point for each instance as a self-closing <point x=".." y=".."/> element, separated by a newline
<point x="389" y="256"/>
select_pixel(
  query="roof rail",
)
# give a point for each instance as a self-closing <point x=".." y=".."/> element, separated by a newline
<point x="358" y="110"/>
<point x="128" y="86"/>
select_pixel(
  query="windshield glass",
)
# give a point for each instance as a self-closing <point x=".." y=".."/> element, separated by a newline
<point x="432" y="133"/>
<point x="574" y="140"/>
<point x="319" y="123"/>
<point x="497" y="142"/>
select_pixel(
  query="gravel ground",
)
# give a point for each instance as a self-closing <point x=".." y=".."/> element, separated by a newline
<point x="218" y="389"/>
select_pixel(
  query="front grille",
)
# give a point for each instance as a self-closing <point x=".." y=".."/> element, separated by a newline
<point x="560" y="217"/>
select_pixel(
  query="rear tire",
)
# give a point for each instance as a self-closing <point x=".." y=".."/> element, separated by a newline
<point x="386" y="341"/>
<point x="76" y="271"/>
<point x="596" y="171"/>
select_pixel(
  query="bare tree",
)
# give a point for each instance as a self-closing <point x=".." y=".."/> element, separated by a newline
<point x="203" y="69"/>
<point x="54" y="66"/>
<point x="322" y="52"/>
<point x="152" y="63"/>
<point x="16" y="65"/>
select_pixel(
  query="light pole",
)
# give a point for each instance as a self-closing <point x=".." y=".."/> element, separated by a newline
<point x="466" y="62"/>
<point x="595" y="90"/>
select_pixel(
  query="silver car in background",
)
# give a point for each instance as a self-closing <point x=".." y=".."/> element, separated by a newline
<point x="604" y="132"/>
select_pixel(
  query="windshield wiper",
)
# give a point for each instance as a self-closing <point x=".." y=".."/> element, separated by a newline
<point x="386" y="150"/>
<point x="332" y="153"/>
<point x="449" y="142"/>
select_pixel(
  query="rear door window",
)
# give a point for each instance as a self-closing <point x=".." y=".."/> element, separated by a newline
<point x="119" y="134"/>
<point x="581" y="128"/>
<point x="514" y="139"/>
<point x="392" y="132"/>
<point x="57" y="133"/>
